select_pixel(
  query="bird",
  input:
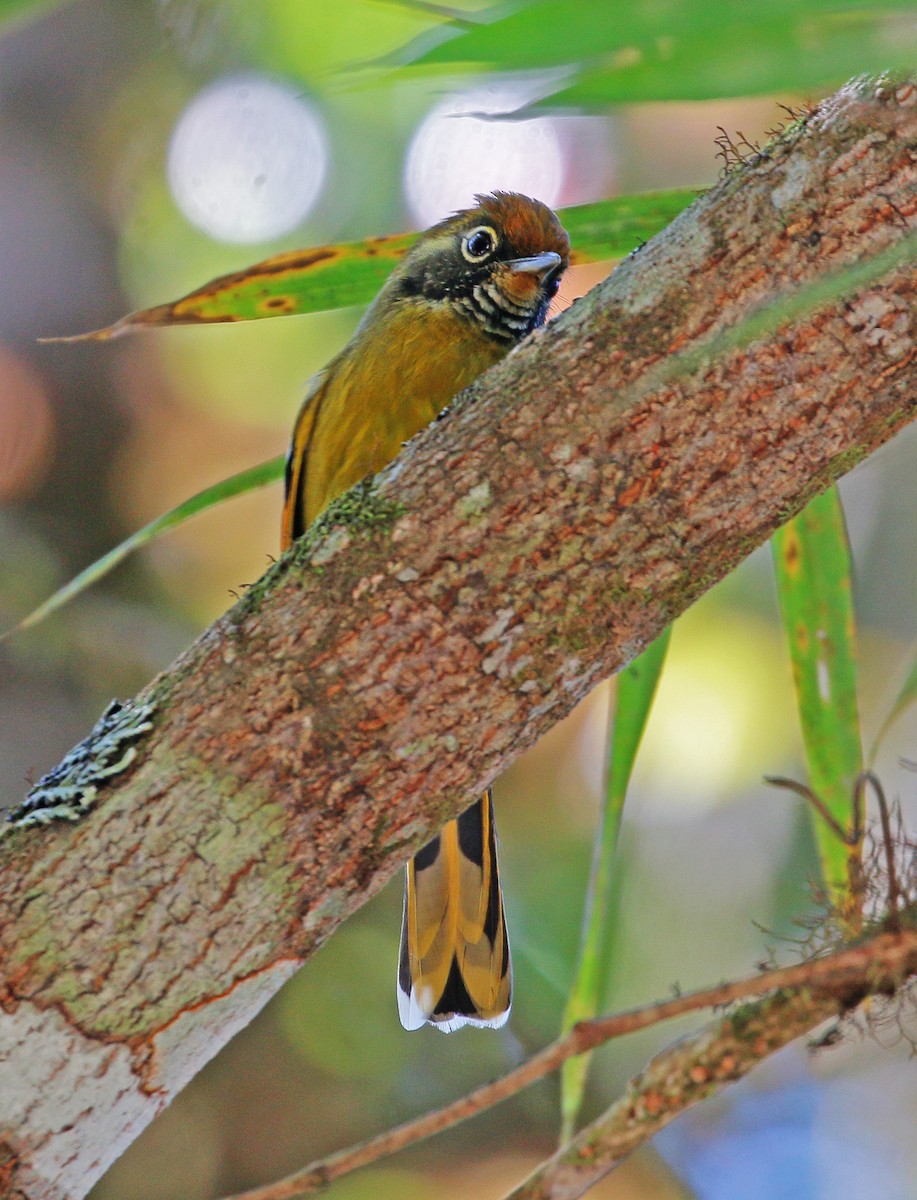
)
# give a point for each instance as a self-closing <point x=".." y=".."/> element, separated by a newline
<point x="469" y="290"/>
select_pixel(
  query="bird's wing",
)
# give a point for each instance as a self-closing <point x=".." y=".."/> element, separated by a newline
<point x="294" y="503"/>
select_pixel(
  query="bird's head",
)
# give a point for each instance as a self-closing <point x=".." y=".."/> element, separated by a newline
<point x="498" y="264"/>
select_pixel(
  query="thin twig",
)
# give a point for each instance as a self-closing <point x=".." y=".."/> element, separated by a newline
<point x="858" y="829"/>
<point x="875" y="964"/>
<point x="681" y="1076"/>
<point x="894" y="891"/>
<point x="800" y="789"/>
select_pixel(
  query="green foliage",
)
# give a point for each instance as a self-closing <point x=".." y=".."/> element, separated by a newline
<point x="685" y="50"/>
<point x="636" y="687"/>
<point x="594" y="54"/>
<point x="327" y="277"/>
<point x="907" y="696"/>
<point x="245" y="481"/>
<point x="812" y="563"/>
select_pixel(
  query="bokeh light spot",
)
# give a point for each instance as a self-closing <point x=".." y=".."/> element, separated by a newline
<point x="723" y="712"/>
<point x="459" y="150"/>
<point x="247" y="159"/>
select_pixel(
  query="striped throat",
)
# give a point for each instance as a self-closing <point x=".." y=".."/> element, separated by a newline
<point x="512" y="300"/>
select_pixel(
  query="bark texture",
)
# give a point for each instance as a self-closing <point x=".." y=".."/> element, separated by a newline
<point x="432" y="627"/>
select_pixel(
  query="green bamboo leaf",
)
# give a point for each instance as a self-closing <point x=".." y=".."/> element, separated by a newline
<point x="636" y="687"/>
<point x="294" y="282"/>
<point x="905" y="698"/>
<point x="235" y="485"/>
<point x="745" y="60"/>
<point x="326" y="277"/>
<point x="618" y="53"/>
<point x="812" y="563"/>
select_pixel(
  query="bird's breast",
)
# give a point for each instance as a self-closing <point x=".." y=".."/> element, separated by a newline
<point x="400" y="371"/>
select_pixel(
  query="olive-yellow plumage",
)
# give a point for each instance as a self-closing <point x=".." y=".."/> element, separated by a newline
<point x="468" y="290"/>
<point x="411" y="363"/>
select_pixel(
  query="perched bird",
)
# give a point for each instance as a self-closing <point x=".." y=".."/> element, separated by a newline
<point x="469" y="289"/>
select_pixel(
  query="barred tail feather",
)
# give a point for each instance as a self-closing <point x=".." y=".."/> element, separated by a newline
<point x="455" y="967"/>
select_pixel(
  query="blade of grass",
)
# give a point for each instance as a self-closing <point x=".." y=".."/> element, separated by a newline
<point x="235" y="485"/>
<point x="350" y="273"/>
<point x="812" y="563"/>
<point x="636" y="687"/>
<point x="903" y="701"/>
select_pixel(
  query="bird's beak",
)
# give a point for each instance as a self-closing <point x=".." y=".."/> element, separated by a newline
<point x="540" y="265"/>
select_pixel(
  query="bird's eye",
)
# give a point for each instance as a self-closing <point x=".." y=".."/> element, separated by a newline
<point x="479" y="244"/>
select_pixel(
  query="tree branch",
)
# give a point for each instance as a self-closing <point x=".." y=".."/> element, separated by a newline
<point x="435" y="624"/>
<point x="802" y="997"/>
<point x="722" y="1053"/>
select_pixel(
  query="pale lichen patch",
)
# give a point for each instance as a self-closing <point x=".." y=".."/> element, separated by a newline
<point x="796" y="175"/>
<point x="884" y="321"/>
<point x="476" y="502"/>
<point x="582" y="470"/>
<point x="336" y="541"/>
<point x="498" y="626"/>
<point x="332" y="907"/>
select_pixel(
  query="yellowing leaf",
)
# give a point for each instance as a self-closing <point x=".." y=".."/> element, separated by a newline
<point x="812" y="563"/>
<point x="338" y="276"/>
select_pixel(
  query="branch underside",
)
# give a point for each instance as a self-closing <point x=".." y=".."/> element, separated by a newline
<point x="436" y="624"/>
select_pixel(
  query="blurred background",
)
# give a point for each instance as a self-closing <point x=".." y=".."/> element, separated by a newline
<point x="147" y="147"/>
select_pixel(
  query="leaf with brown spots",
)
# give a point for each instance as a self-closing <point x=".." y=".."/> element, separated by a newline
<point x="338" y="276"/>
<point x="813" y="568"/>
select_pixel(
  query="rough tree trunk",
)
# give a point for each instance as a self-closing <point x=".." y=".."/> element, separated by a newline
<point x="579" y="498"/>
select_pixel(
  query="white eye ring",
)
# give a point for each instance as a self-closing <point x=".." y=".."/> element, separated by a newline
<point x="487" y="239"/>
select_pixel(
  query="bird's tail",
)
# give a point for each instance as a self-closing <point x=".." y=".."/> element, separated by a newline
<point x="454" y="968"/>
